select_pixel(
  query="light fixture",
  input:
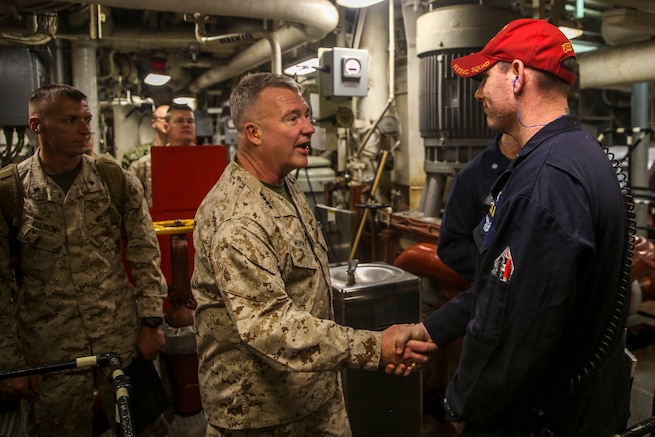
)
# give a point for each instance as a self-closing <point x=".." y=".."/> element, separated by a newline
<point x="357" y="3"/>
<point x="158" y="75"/>
<point x="570" y="31"/>
<point x="570" y="26"/>
<point x="302" y="68"/>
<point x="185" y="100"/>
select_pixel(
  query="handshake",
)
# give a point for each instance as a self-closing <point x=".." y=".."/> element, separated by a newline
<point x="405" y="348"/>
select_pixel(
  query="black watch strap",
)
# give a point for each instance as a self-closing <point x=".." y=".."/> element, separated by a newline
<point x="152" y="322"/>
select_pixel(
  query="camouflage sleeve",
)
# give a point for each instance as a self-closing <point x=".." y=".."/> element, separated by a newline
<point x="10" y="355"/>
<point x="142" y="251"/>
<point x="141" y="169"/>
<point x="267" y="318"/>
<point x="137" y="170"/>
<point x="134" y="154"/>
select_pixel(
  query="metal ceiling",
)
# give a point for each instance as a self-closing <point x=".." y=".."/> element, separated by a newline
<point x="208" y="43"/>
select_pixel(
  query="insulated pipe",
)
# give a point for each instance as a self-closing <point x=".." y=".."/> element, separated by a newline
<point x="629" y="64"/>
<point x="85" y="79"/>
<point x="253" y="56"/>
<point x="59" y="62"/>
<point x="276" y="58"/>
<point x="314" y="19"/>
<point x="421" y="259"/>
<point x="433" y="193"/>
<point x="390" y="79"/>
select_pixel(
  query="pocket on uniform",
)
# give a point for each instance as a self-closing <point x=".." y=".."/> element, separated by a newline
<point x="490" y="312"/>
<point x="303" y="257"/>
<point x="40" y="244"/>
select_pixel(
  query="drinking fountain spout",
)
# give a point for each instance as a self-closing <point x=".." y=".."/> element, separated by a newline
<point x="350" y="270"/>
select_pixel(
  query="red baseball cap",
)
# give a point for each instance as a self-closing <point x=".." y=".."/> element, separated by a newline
<point x="537" y="43"/>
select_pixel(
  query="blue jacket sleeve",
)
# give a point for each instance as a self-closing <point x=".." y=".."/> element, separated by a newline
<point x="456" y="247"/>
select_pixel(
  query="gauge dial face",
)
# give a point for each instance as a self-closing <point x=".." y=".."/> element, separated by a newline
<point x="352" y="67"/>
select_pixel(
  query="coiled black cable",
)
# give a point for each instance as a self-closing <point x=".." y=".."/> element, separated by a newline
<point x="614" y="322"/>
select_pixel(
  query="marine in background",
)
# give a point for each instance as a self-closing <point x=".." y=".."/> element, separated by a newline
<point x="69" y="295"/>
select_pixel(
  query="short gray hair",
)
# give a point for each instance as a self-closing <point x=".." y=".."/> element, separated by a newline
<point x="246" y="93"/>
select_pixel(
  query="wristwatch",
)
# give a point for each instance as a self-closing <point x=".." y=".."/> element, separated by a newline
<point x="152" y="322"/>
<point x="449" y="413"/>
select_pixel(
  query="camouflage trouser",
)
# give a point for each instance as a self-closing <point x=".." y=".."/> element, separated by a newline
<point x="331" y="420"/>
<point x="64" y="405"/>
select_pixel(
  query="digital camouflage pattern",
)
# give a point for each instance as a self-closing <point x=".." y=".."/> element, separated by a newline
<point x="75" y="299"/>
<point x="269" y="352"/>
<point x="330" y="420"/>
<point x="142" y="169"/>
<point x="135" y="153"/>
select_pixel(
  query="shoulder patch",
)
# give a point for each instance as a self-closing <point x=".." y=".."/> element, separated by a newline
<point x="503" y="267"/>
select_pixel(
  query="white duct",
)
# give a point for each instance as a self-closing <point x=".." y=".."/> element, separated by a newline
<point x="314" y="19"/>
<point x="620" y="65"/>
<point x="85" y="79"/>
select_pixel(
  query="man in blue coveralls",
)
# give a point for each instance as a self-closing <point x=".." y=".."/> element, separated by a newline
<point x="551" y="251"/>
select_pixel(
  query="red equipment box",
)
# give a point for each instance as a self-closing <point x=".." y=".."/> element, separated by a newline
<point x="181" y="177"/>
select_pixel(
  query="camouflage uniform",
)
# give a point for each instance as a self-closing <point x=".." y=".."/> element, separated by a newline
<point x="142" y="169"/>
<point x="75" y="298"/>
<point x="269" y="352"/>
<point x="135" y="153"/>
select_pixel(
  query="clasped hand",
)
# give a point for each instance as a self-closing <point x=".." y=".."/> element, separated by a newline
<point x="406" y="348"/>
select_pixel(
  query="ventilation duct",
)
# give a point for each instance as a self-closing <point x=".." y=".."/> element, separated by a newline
<point x="307" y="21"/>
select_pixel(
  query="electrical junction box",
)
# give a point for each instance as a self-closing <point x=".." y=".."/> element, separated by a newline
<point x="344" y="72"/>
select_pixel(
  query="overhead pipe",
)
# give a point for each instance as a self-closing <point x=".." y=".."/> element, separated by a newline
<point x="58" y="74"/>
<point x="312" y="19"/>
<point x="629" y="64"/>
<point x="94" y="23"/>
<point x="30" y="34"/>
<point x="126" y="38"/>
<point x="391" y="82"/>
<point x="276" y="56"/>
<point x="646" y="5"/>
<point x="248" y="59"/>
<point x="276" y="51"/>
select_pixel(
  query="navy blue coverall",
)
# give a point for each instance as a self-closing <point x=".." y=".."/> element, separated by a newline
<point x="464" y="209"/>
<point x="551" y="252"/>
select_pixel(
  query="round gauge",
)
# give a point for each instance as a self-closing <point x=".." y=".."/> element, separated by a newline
<point x="352" y="67"/>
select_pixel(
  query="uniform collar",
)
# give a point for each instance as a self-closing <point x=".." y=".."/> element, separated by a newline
<point x="278" y="204"/>
<point x="566" y="123"/>
<point x="40" y="187"/>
